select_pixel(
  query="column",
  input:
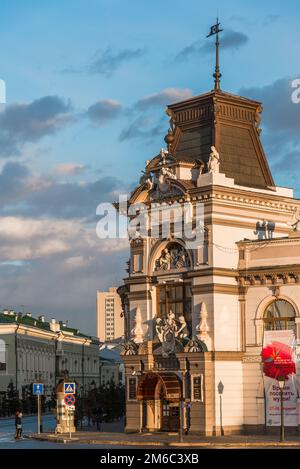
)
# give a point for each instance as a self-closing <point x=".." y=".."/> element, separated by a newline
<point x="150" y="415"/>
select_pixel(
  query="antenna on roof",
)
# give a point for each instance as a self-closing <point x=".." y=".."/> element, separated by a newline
<point x="215" y="30"/>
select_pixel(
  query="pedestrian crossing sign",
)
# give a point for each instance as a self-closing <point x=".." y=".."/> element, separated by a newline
<point x="69" y="388"/>
<point x="38" y="388"/>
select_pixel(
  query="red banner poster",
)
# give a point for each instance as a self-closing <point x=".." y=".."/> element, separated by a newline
<point x="278" y="361"/>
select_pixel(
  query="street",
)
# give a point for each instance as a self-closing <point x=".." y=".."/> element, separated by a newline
<point x="7" y="432"/>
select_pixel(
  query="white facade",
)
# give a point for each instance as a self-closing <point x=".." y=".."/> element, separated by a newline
<point x="45" y="352"/>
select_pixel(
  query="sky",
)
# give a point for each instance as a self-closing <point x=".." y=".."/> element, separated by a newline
<point x="87" y="83"/>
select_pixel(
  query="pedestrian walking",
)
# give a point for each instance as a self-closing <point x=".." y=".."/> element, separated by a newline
<point x="18" y="424"/>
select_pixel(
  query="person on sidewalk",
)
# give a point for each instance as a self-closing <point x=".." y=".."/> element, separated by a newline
<point x="18" y="424"/>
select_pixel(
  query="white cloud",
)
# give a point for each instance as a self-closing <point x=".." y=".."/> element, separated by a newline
<point x="164" y="97"/>
<point x="70" y="168"/>
<point x="28" y="239"/>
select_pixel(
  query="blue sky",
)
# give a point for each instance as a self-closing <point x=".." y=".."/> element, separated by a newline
<point x="87" y="83"/>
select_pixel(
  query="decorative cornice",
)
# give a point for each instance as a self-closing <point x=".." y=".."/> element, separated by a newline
<point x="238" y="195"/>
<point x="282" y="275"/>
<point x="246" y="243"/>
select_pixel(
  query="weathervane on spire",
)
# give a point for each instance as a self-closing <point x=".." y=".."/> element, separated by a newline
<point x="215" y="30"/>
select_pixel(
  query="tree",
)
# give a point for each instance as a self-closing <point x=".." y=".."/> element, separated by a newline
<point x="13" y="402"/>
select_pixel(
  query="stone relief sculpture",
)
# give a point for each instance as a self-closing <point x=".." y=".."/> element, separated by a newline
<point x="129" y="348"/>
<point x="164" y="154"/>
<point x="166" y="331"/>
<point x="161" y="179"/>
<point x="169" y="330"/>
<point x="195" y="345"/>
<point x="295" y="220"/>
<point x="183" y="331"/>
<point x="137" y="332"/>
<point x="172" y="259"/>
<point x="213" y="164"/>
<point x="146" y="179"/>
<point x="159" y="183"/>
<point x="159" y="329"/>
<point x="164" y="262"/>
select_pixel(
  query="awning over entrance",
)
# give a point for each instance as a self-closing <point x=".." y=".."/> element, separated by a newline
<point x="170" y="383"/>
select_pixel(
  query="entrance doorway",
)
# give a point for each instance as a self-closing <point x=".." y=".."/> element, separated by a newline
<point x="160" y="393"/>
<point x="170" y="416"/>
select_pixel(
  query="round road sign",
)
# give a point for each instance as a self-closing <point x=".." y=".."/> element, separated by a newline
<point x="69" y="399"/>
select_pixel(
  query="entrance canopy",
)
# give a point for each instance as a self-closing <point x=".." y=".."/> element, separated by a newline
<point x="170" y="385"/>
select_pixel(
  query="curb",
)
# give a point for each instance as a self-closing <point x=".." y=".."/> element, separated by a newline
<point x="201" y="444"/>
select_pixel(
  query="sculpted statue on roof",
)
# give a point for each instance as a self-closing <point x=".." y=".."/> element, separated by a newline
<point x="213" y="164"/>
<point x="295" y="220"/>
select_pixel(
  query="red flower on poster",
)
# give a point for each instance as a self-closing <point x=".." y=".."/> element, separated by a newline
<point x="278" y="360"/>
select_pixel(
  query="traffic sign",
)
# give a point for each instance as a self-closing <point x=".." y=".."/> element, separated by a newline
<point x="71" y="407"/>
<point x="69" y="399"/>
<point x="38" y="388"/>
<point x="69" y="388"/>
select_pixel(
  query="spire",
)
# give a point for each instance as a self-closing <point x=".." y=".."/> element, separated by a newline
<point x="215" y="30"/>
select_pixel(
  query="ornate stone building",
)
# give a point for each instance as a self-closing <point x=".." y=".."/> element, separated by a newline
<point x="195" y="316"/>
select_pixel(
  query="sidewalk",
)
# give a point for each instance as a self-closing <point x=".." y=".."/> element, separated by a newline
<point x="171" y="440"/>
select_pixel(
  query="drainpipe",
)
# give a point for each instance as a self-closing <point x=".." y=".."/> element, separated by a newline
<point x="82" y="364"/>
<point x="82" y="377"/>
<point x="16" y="354"/>
<point x="82" y="369"/>
<point x="55" y="361"/>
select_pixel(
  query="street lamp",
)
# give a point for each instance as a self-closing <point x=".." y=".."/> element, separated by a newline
<point x="281" y="383"/>
<point x="220" y="391"/>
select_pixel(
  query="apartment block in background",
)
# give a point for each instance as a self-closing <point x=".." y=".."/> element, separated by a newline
<point x="110" y="321"/>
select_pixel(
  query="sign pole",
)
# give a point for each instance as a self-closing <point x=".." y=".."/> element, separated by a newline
<point x="39" y="414"/>
<point x="69" y="422"/>
<point x="38" y="390"/>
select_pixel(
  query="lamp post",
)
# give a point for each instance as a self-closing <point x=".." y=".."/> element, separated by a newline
<point x="220" y="391"/>
<point x="281" y="383"/>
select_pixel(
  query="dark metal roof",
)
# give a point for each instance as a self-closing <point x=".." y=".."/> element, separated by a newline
<point x="231" y="124"/>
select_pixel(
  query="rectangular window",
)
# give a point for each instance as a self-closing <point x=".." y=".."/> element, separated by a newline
<point x="176" y="298"/>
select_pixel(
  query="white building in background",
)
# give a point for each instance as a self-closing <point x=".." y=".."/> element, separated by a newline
<point x="33" y="349"/>
<point x="111" y="365"/>
<point x="109" y="316"/>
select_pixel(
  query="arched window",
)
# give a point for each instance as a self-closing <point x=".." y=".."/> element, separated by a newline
<point x="279" y="314"/>
<point x="2" y="355"/>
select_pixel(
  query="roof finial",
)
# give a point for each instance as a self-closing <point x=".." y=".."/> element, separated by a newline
<point x="215" y="30"/>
